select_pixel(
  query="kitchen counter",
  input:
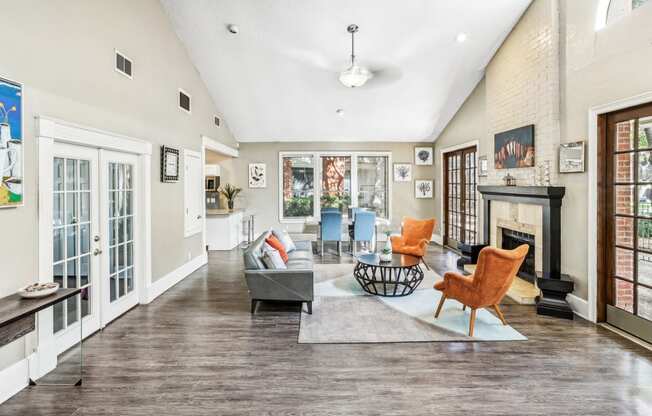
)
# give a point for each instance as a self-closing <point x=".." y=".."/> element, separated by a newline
<point x="223" y="212"/>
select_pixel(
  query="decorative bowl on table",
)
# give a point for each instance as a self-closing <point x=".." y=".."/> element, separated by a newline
<point x="38" y="290"/>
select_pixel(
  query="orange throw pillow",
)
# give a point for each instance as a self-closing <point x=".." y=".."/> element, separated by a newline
<point x="277" y="245"/>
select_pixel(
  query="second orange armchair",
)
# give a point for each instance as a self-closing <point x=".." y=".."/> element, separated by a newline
<point x="414" y="238"/>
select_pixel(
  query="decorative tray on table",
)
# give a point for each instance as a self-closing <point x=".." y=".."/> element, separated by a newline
<point x="38" y="290"/>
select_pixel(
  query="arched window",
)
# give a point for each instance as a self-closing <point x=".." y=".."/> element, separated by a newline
<point x="611" y="10"/>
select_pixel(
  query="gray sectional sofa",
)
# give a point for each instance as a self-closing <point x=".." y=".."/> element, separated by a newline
<point x="292" y="284"/>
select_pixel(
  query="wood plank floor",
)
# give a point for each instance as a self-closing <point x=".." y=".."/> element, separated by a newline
<point x="196" y="350"/>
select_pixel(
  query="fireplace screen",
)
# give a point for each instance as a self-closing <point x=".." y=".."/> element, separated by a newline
<point x="513" y="239"/>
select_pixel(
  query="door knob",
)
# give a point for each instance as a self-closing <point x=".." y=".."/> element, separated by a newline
<point x="96" y="238"/>
<point x="97" y="252"/>
<point x="198" y="217"/>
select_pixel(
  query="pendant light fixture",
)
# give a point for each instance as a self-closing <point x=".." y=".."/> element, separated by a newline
<point x="355" y="75"/>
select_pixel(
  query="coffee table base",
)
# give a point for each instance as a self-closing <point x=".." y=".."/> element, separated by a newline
<point x="390" y="281"/>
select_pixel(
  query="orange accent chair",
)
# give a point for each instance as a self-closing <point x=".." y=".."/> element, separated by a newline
<point x="486" y="287"/>
<point x="414" y="238"/>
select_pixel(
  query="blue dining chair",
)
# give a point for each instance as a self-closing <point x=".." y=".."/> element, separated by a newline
<point x="331" y="229"/>
<point x="364" y="228"/>
<point x="330" y="209"/>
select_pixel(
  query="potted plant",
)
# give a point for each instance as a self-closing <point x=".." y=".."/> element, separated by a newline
<point x="230" y="192"/>
<point x="386" y="253"/>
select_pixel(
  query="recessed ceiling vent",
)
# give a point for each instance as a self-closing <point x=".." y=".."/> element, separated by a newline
<point x="217" y="120"/>
<point x="123" y="64"/>
<point x="184" y="101"/>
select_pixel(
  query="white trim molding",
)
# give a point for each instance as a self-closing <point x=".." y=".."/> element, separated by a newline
<point x="161" y="285"/>
<point x="215" y="146"/>
<point x="592" y="224"/>
<point x="14" y="379"/>
<point x="66" y="132"/>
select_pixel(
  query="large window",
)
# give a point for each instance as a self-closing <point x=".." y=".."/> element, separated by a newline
<point x="313" y="181"/>
<point x="298" y="186"/>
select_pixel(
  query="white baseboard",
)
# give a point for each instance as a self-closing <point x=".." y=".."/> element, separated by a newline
<point x="14" y="379"/>
<point x="438" y="239"/>
<point x="175" y="276"/>
<point x="579" y="306"/>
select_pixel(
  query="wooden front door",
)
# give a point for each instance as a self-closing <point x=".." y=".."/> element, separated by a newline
<point x="627" y="275"/>
<point x="460" y="198"/>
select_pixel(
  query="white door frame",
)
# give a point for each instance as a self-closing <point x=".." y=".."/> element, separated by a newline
<point x="49" y="131"/>
<point x="592" y="224"/>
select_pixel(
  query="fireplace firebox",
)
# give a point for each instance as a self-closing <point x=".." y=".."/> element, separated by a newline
<point x="511" y="240"/>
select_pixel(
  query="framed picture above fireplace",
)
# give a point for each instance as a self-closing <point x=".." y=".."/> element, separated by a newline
<point x="514" y="148"/>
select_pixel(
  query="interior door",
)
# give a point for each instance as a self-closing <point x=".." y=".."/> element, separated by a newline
<point x="75" y="229"/>
<point x="118" y="201"/>
<point x="460" y="197"/>
<point x="629" y="220"/>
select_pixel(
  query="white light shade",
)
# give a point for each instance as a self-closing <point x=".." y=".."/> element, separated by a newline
<point x="355" y="76"/>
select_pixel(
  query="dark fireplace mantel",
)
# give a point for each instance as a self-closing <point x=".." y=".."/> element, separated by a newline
<point x="553" y="284"/>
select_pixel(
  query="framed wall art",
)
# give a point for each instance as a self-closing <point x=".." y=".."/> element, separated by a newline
<point x="402" y="172"/>
<point x="11" y="144"/>
<point x="514" y="148"/>
<point x="571" y="157"/>
<point x="423" y="188"/>
<point x="169" y="164"/>
<point x="423" y="156"/>
<point x="483" y="166"/>
<point x="257" y="175"/>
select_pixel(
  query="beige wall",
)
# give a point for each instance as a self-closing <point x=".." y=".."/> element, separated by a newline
<point x="594" y="68"/>
<point x="264" y="202"/>
<point x="62" y="51"/>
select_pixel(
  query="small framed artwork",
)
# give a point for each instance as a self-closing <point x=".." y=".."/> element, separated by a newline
<point x="402" y="172"/>
<point x="257" y="175"/>
<point x="571" y="157"/>
<point x="169" y="164"/>
<point x="483" y="166"/>
<point x="11" y="144"/>
<point x="212" y="183"/>
<point x="423" y="156"/>
<point x="423" y="188"/>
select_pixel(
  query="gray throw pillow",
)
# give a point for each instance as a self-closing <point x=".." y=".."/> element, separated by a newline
<point x="273" y="260"/>
<point x="285" y="239"/>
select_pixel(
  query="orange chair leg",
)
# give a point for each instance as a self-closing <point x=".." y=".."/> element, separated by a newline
<point x="441" y="303"/>
<point x="500" y="314"/>
<point x="472" y="323"/>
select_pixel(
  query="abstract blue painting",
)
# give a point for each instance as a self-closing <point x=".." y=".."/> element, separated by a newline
<point x="11" y="144"/>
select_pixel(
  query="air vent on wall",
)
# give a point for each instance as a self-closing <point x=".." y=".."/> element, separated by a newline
<point x="184" y="101"/>
<point x="217" y="120"/>
<point x="123" y="64"/>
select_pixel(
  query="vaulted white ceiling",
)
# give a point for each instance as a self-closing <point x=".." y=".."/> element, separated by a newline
<point x="277" y="79"/>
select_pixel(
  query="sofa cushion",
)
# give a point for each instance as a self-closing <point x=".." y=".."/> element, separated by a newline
<point x="303" y="246"/>
<point x="299" y="255"/>
<point x="285" y="239"/>
<point x="277" y="245"/>
<point x="299" y="264"/>
<point x="273" y="260"/>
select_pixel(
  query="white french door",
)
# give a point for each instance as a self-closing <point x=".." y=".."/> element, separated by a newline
<point x="94" y="233"/>
<point x="75" y="230"/>
<point x="119" y="174"/>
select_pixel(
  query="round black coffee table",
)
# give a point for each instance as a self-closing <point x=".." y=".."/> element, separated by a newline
<point x="398" y="277"/>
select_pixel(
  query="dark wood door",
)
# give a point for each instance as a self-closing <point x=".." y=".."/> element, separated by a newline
<point x="460" y="198"/>
<point x="628" y="221"/>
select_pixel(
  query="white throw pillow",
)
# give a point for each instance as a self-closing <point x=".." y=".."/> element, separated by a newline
<point x="273" y="260"/>
<point x="285" y="239"/>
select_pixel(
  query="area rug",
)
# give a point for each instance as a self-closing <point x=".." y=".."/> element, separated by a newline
<point x="344" y="313"/>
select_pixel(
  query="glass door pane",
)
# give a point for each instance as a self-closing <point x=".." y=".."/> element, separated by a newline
<point x="121" y="233"/>
<point x="460" y="197"/>
<point x="372" y="184"/>
<point x="71" y="230"/>
<point x="336" y="182"/>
